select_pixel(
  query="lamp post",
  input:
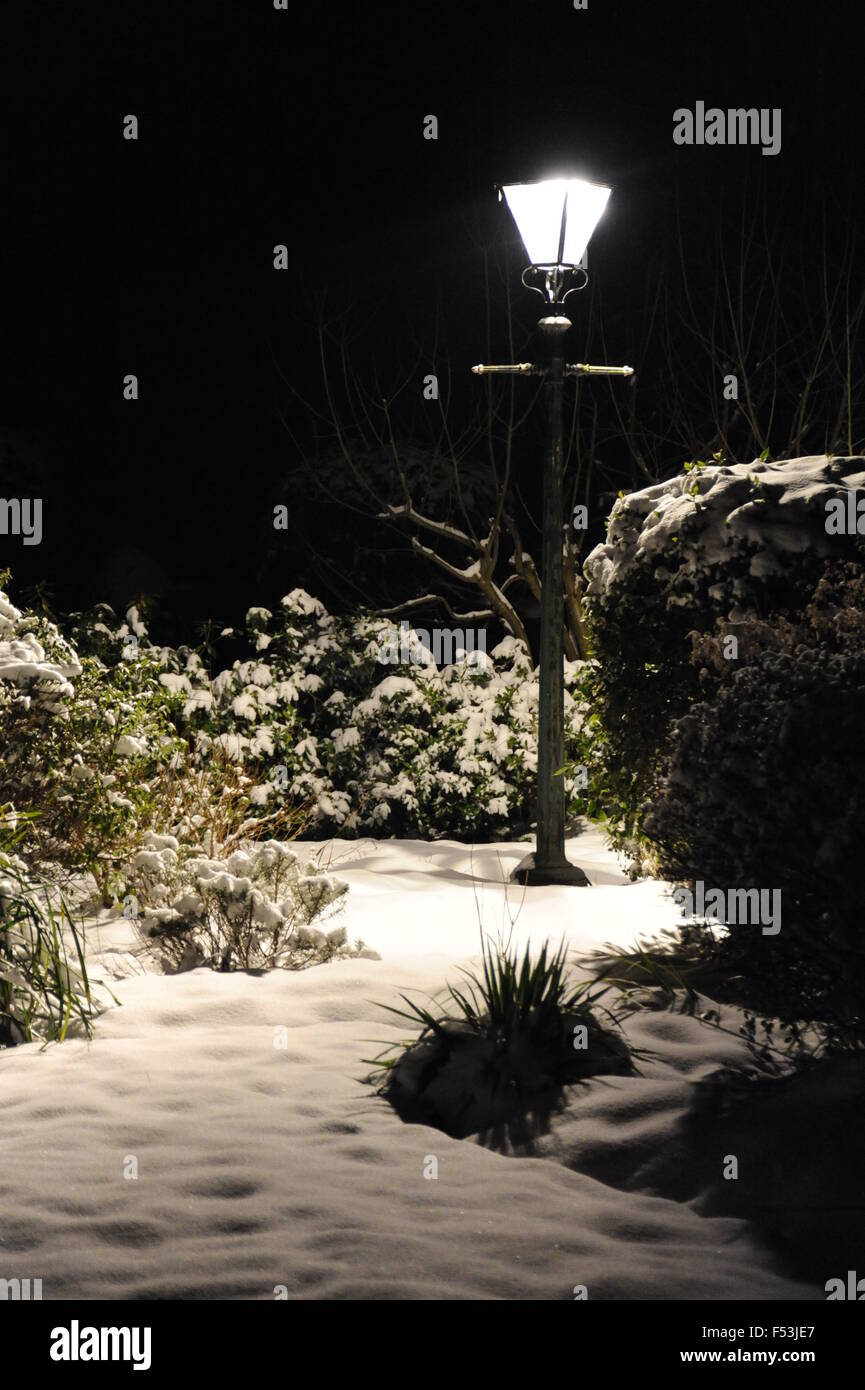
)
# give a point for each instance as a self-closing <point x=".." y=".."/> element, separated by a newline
<point x="555" y="219"/>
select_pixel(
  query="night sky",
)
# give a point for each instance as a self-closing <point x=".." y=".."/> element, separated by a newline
<point x="304" y="127"/>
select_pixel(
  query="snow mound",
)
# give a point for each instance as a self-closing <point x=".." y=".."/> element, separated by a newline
<point x="717" y="515"/>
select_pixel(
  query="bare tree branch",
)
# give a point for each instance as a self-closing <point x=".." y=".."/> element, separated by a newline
<point x="428" y="599"/>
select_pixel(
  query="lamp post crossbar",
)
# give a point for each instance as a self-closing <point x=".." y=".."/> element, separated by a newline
<point x="509" y="369"/>
<point x="583" y="369"/>
<point x="531" y="369"/>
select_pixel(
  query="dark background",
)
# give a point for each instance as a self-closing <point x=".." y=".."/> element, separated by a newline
<point x="305" y="127"/>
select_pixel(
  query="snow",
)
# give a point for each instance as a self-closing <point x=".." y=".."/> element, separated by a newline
<point x="128" y="746"/>
<point x="9" y="616"/>
<point x="23" y="660"/>
<point x="387" y="690"/>
<point x="345" y="738"/>
<point x="703" y="518"/>
<point x="263" y="1160"/>
<point x="299" y="601"/>
<point x="174" y="682"/>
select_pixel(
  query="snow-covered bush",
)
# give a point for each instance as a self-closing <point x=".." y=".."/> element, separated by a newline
<point x="321" y="717"/>
<point x="254" y="909"/>
<point x="83" y="739"/>
<point x="95" y="739"/>
<point x="106" y="735"/>
<point x="717" y="548"/>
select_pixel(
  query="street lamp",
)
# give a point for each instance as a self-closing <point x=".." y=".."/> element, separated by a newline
<point x="555" y="219"/>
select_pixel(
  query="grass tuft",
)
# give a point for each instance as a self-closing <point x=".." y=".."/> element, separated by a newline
<point x="44" y="987"/>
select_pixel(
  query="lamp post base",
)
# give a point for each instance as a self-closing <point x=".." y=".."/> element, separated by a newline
<point x="533" y="874"/>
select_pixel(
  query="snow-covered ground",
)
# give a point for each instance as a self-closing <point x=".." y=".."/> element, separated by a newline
<point x="216" y="1138"/>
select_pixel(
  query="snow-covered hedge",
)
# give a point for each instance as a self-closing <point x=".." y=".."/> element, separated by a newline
<point x="719" y="534"/>
<point x="717" y="547"/>
<point x="82" y="742"/>
<point x="96" y="747"/>
<point x="766" y="789"/>
<point x="319" y="715"/>
<point x="114" y="735"/>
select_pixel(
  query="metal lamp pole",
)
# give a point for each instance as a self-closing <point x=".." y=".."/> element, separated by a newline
<point x="548" y="864"/>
